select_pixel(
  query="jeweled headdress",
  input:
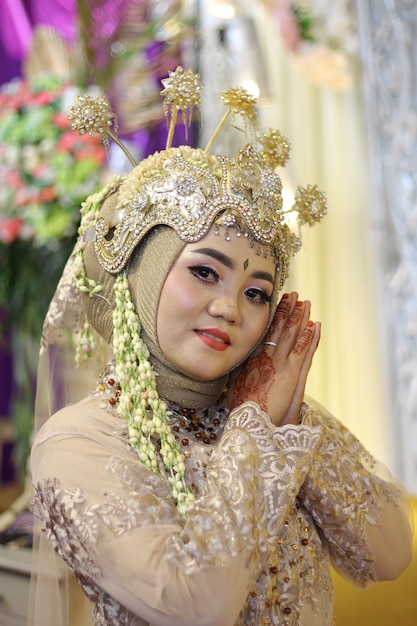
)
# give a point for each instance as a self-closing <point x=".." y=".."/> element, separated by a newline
<point x="189" y="190"/>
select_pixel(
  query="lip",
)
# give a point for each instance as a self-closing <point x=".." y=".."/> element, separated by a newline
<point x="214" y="338"/>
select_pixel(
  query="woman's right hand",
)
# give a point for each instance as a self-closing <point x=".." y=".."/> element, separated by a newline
<point x="275" y="376"/>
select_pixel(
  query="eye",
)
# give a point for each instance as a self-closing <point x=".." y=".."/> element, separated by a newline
<point x="257" y="296"/>
<point x="205" y="273"/>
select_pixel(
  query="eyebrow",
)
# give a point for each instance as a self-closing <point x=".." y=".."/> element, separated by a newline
<point x="228" y="262"/>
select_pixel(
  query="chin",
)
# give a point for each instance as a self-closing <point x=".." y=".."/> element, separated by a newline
<point x="203" y="376"/>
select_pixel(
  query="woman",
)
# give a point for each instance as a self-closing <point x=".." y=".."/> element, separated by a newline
<point x="194" y="485"/>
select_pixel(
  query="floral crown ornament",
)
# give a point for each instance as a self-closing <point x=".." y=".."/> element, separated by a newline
<point x="182" y="91"/>
<point x="239" y="102"/>
<point x="189" y="190"/>
<point x="93" y="115"/>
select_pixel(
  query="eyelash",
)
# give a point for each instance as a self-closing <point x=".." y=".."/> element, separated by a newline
<point x="202" y="272"/>
<point x="199" y="270"/>
<point x="264" y="298"/>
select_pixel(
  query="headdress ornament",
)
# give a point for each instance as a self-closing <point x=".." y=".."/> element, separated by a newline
<point x="189" y="189"/>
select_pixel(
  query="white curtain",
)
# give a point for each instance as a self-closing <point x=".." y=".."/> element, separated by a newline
<point x="335" y="268"/>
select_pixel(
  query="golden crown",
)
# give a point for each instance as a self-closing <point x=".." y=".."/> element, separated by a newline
<point x="190" y="189"/>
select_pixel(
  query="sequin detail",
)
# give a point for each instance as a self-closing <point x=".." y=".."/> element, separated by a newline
<point x="258" y="470"/>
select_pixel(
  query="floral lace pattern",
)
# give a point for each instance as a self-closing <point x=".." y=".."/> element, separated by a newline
<point x="65" y="308"/>
<point x="259" y="489"/>
<point x="70" y="524"/>
<point x="344" y="482"/>
<point x="71" y="527"/>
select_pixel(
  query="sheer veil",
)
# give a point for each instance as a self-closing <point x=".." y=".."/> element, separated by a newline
<point x="60" y="383"/>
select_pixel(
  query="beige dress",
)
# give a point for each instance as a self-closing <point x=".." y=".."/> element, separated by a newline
<point x="273" y="506"/>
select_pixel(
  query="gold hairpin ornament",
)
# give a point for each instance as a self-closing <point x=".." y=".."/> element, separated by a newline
<point x="182" y="91"/>
<point x="93" y="115"/>
<point x="310" y="203"/>
<point x="276" y="149"/>
<point x="239" y="102"/>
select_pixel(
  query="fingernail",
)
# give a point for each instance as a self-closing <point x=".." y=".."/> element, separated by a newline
<point x="310" y="323"/>
<point x="298" y="303"/>
<point x="285" y="295"/>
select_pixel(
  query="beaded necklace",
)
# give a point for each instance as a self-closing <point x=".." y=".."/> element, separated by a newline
<point x="202" y="425"/>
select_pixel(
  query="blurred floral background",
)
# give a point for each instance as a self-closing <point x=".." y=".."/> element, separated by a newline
<point x="47" y="171"/>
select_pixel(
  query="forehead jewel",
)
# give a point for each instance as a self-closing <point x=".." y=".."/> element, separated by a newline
<point x="189" y="189"/>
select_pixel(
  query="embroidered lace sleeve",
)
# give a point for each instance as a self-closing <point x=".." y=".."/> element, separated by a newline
<point x="359" y="507"/>
<point x="115" y="525"/>
<point x="281" y="471"/>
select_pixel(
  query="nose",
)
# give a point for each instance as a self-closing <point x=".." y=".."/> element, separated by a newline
<point x="226" y="307"/>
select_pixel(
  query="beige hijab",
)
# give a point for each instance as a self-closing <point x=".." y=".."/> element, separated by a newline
<point x="148" y="267"/>
<point x="147" y="270"/>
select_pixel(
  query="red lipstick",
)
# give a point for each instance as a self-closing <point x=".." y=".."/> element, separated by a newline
<point x="214" y="338"/>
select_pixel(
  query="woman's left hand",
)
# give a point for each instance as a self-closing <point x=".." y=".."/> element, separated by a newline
<point x="275" y="376"/>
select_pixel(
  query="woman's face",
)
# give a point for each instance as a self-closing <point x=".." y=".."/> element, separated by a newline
<point x="214" y="305"/>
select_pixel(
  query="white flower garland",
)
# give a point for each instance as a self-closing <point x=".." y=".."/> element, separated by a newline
<point x="89" y="210"/>
<point x="139" y="394"/>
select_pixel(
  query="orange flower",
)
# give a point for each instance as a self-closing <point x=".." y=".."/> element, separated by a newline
<point x="46" y="195"/>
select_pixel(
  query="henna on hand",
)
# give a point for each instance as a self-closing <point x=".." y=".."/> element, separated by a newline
<point x="275" y="377"/>
<point x="280" y="314"/>
<point x="293" y="319"/>
<point x="254" y="382"/>
<point x="304" y="339"/>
